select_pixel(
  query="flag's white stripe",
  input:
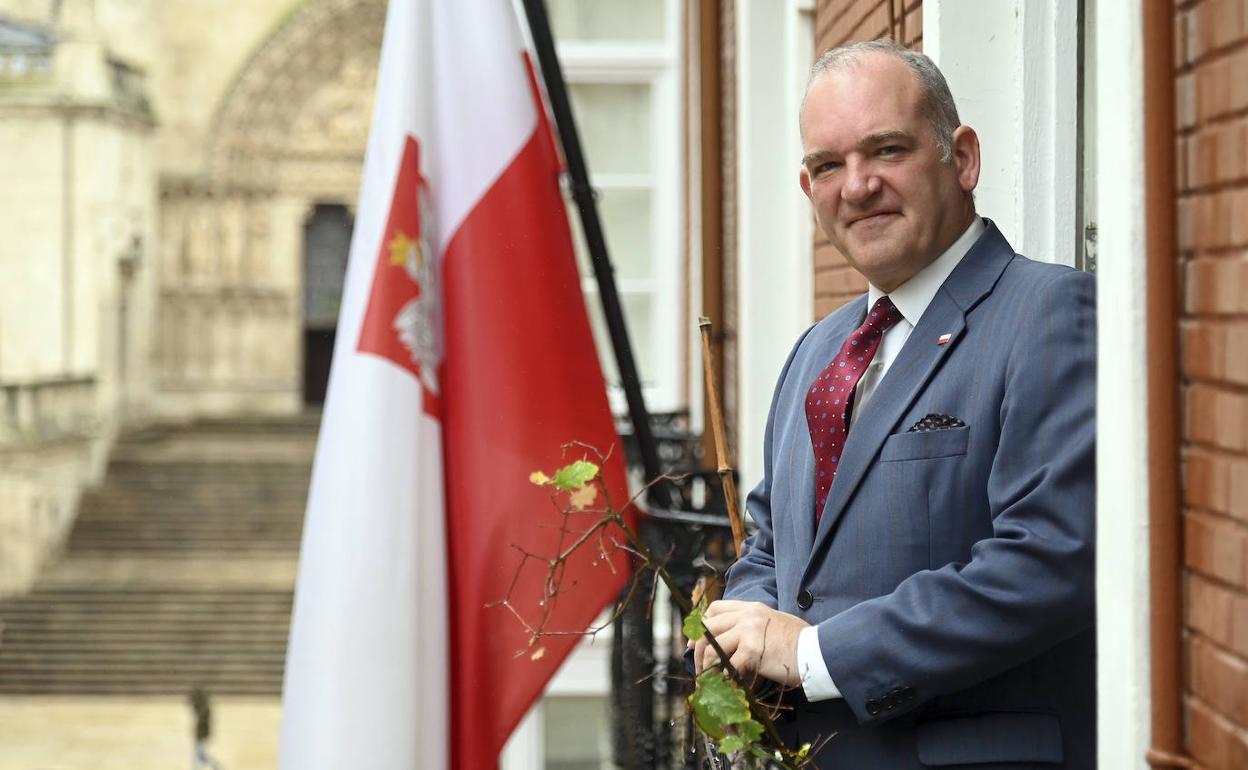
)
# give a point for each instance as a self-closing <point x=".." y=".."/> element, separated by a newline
<point x="486" y="114"/>
<point x="368" y="652"/>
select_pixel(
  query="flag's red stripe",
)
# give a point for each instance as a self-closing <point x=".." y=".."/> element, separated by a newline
<point x="520" y="378"/>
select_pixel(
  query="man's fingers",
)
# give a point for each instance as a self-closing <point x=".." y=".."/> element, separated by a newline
<point x="705" y="656"/>
<point x="724" y="606"/>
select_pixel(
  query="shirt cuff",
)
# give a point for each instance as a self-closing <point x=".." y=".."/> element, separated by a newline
<point x="816" y="681"/>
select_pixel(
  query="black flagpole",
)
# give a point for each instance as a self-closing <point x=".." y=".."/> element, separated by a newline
<point x="584" y="196"/>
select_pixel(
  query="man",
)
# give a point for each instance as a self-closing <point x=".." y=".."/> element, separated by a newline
<point x="922" y="573"/>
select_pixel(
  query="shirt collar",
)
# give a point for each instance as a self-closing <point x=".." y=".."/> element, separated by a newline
<point x="912" y="297"/>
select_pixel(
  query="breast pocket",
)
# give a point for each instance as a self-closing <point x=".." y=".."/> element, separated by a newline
<point x="946" y="442"/>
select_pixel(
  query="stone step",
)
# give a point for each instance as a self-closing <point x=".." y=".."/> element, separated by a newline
<point x="266" y="682"/>
<point x="178" y="571"/>
<point x="207" y="613"/>
<point x="207" y="524"/>
<point x="162" y="550"/>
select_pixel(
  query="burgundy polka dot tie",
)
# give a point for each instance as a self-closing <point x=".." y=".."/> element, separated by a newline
<point x="830" y="399"/>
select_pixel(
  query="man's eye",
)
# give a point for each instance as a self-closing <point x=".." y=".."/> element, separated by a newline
<point x="891" y="149"/>
<point x="826" y="167"/>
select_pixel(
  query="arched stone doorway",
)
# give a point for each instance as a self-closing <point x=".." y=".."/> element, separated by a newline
<point x="288" y="139"/>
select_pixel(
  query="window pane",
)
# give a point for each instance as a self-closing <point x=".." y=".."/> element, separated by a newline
<point x="625" y="215"/>
<point x="607" y="19"/>
<point x="576" y="733"/>
<point x="614" y="123"/>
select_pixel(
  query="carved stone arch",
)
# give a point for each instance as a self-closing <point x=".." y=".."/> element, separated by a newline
<point x="296" y="118"/>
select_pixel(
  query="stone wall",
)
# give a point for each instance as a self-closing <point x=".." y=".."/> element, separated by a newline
<point x="78" y="212"/>
<point x="1212" y="148"/>
<point x="161" y="160"/>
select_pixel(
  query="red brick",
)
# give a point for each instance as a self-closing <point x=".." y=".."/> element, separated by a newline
<point x="1185" y="100"/>
<point x="872" y="25"/>
<point x="914" y="27"/>
<point x="1218" y="613"/>
<point x="1221" y="87"/>
<point x="825" y="305"/>
<point x="1216" y="547"/>
<point x="1216" y="481"/>
<point x="1214" y="25"/>
<point x="1217" y="285"/>
<point x="1180" y="39"/>
<point x="1216" y="416"/>
<point x="839" y="281"/>
<point x="1182" y="150"/>
<point x="852" y="22"/>
<point x="1213" y="740"/>
<point x="1218" y="678"/>
<point x="1215" y="350"/>
<point x="1217" y="154"/>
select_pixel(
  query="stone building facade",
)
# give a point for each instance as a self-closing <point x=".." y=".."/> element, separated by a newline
<point x="180" y="178"/>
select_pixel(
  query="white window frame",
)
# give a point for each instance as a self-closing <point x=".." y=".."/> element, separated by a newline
<point x="657" y="65"/>
<point x="775" y="48"/>
<point x="1012" y="66"/>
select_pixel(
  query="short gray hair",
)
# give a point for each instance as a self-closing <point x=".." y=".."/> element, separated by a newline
<point x="936" y="100"/>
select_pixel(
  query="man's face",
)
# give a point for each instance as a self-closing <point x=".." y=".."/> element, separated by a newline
<point x="874" y="174"/>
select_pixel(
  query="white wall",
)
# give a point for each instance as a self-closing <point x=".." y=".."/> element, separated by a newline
<point x="1012" y="66"/>
<point x="1122" y="421"/>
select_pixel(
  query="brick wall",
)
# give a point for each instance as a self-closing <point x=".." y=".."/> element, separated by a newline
<point x="1211" y="50"/>
<point x="846" y="21"/>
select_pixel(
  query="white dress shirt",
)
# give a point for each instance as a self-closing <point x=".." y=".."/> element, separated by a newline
<point x="911" y="300"/>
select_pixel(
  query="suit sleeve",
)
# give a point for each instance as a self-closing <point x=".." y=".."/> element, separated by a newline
<point x="1030" y="585"/>
<point x="753" y="576"/>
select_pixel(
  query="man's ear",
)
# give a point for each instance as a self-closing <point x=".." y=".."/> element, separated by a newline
<point x="966" y="157"/>
<point x="803" y="178"/>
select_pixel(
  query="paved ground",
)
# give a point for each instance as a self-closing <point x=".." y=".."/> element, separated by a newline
<point x="117" y="733"/>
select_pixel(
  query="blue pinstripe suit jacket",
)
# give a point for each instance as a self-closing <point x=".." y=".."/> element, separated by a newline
<point x="951" y="573"/>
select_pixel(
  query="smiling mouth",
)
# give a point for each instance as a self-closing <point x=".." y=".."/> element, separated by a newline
<point x="871" y="219"/>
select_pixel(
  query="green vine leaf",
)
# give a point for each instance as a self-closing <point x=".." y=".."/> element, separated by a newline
<point x="722" y="711"/>
<point x="574" y="476"/>
<point x="693" y="626"/>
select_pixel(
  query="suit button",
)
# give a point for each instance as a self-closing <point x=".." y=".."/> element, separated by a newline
<point x="907" y="693"/>
<point x="873" y="707"/>
<point x="805" y="599"/>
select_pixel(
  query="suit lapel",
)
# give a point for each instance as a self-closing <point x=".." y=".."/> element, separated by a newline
<point x="909" y="374"/>
<point x="830" y="340"/>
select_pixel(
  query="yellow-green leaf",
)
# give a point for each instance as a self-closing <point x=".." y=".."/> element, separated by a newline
<point x="576" y="475"/>
<point x="693" y="626"/>
<point x="539" y="478"/>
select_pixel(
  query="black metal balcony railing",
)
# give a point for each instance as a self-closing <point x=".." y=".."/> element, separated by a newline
<point x="649" y="684"/>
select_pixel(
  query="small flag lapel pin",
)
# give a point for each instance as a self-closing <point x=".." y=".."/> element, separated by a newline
<point x="943" y="339"/>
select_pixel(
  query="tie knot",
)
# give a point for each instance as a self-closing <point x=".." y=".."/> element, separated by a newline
<point x="882" y="315"/>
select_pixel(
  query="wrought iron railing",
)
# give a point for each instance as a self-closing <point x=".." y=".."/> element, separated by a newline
<point x="651" y="730"/>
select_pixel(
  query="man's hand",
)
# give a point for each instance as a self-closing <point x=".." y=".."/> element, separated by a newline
<point x="757" y="640"/>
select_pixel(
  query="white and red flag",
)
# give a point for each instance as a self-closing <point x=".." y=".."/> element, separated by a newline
<point x="463" y="361"/>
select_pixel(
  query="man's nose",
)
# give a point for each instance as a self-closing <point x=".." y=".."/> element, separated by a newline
<point x="860" y="184"/>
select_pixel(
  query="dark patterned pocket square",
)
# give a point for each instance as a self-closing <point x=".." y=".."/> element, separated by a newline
<point x="936" y="421"/>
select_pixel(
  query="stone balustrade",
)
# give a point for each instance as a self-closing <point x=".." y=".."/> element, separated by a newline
<point x="52" y="445"/>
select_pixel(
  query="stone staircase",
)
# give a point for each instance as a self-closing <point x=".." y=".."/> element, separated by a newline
<point x="179" y="571"/>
